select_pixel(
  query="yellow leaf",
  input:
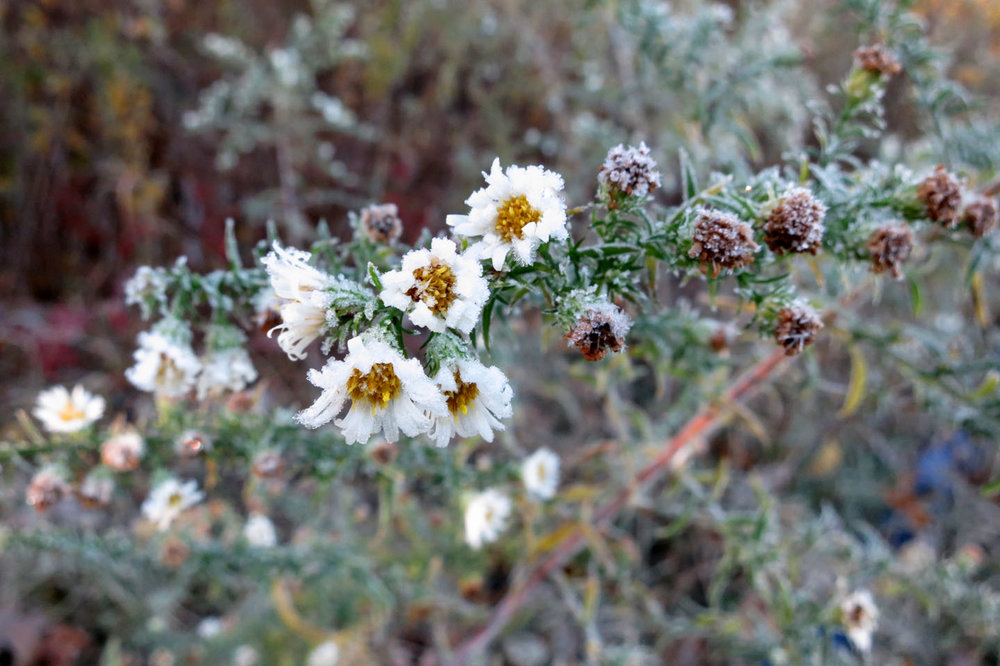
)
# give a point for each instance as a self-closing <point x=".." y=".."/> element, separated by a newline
<point x="551" y="540"/>
<point x="979" y="301"/>
<point x="827" y="459"/>
<point x="856" y="388"/>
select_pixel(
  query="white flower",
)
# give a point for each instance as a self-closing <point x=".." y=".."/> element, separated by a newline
<point x="517" y="210"/>
<point x="225" y="370"/>
<point x="245" y="655"/>
<point x="259" y="531"/>
<point x="168" y="500"/>
<point x="485" y="517"/>
<point x="388" y="393"/>
<point x="324" y="654"/>
<point x="210" y="627"/>
<point x="439" y="288"/>
<point x="165" y="364"/>
<point x="630" y="171"/>
<point x="860" y="617"/>
<point x="61" y="411"/>
<point x="477" y="398"/>
<point x="540" y="473"/>
<point x="305" y="299"/>
<point x="123" y="451"/>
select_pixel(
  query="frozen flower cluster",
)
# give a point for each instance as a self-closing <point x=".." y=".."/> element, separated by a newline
<point x="630" y="171"/>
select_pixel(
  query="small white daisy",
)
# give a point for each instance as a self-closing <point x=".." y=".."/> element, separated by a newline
<point x="324" y="654"/>
<point x="388" y="393"/>
<point x="168" y="500"/>
<point x="859" y="615"/>
<point x="486" y="517"/>
<point x="305" y="299"/>
<point x="165" y="364"/>
<point x="226" y="366"/>
<point x="63" y="411"/>
<point x="540" y="473"/>
<point x="259" y="531"/>
<point x="477" y="398"/>
<point x="439" y="288"/>
<point x="516" y="211"/>
<point x="209" y="628"/>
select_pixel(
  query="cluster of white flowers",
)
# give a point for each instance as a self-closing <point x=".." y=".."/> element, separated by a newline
<point x="63" y="411"/>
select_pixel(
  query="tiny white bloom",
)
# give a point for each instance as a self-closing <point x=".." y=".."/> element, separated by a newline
<point x="63" y="411"/>
<point x="485" y="517"/>
<point x="245" y="655"/>
<point x="324" y="654"/>
<point x="860" y="617"/>
<point x="225" y="370"/>
<point x="165" y="364"/>
<point x="540" y="473"/>
<point x="305" y="299"/>
<point x="168" y="500"/>
<point x="259" y="531"/>
<point x="388" y="393"/>
<point x="516" y="211"/>
<point x="439" y="288"/>
<point x="477" y="398"/>
<point x="210" y="627"/>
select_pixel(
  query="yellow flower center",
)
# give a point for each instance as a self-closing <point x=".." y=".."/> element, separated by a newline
<point x="175" y="500"/>
<point x="542" y="472"/>
<point x="435" y="286"/>
<point x="167" y="372"/>
<point x="463" y="395"/>
<point x="513" y="215"/>
<point x="70" y="412"/>
<point x="377" y="387"/>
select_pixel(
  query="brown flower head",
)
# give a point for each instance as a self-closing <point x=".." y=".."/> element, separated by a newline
<point x="797" y="326"/>
<point x="381" y="223"/>
<point x="796" y="223"/>
<point x="722" y="241"/>
<point x="600" y="329"/>
<point x="890" y="245"/>
<point x="47" y="487"/>
<point x="981" y="216"/>
<point x="385" y="452"/>
<point x="942" y="194"/>
<point x="629" y="171"/>
<point x="268" y="464"/>
<point x="192" y="443"/>
<point x="877" y="58"/>
<point x="95" y="490"/>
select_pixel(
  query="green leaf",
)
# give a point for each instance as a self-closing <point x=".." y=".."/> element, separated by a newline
<point x="689" y="177"/>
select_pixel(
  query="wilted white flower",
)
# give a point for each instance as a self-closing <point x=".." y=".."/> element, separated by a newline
<point x="388" y="393"/>
<point x="516" y="211"/>
<point x="485" y="517"/>
<point x="540" y="473"/>
<point x="165" y="364"/>
<point x="599" y="328"/>
<point x="324" y="654"/>
<point x="259" y="531"/>
<point x="477" y="398"/>
<point x="630" y="171"/>
<point x="381" y="223"/>
<point x="438" y="288"/>
<point x="303" y="290"/>
<point x="168" y="500"/>
<point x="860" y="617"/>
<point x="95" y="490"/>
<point x="47" y="487"/>
<point x="210" y="627"/>
<point x="226" y="366"/>
<point x="63" y="411"/>
<point x="123" y="451"/>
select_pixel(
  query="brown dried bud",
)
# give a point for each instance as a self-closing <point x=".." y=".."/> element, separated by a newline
<point x="877" y="58"/>
<point x="381" y="223"/>
<point x="600" y="329"/>
<point x="95" y="491"/>
<point x="890" y="246"/>
<point x="174" y="552"/>
<point x="942" y="194"/>
<point x="268" y="464"/>
<point x="384" y="453"/>
<point x="123" y="451"/>
<point x="796" y="223"/>
<point x="797" y="327"/>
<point x="192" y="443"/>
<point x="981" y="216"/>
<point x="47" y="487"/>
<point x="722" y="242"/>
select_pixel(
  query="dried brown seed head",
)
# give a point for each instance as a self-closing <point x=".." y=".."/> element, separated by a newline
<point x="796" y="223"/>
<point x="890" y="245"/>
<point x="877" y="58"/>
<point x="942" y="194"/>
<point x="797" y="327"/>
<point x="722" y="241"/>
<point x="981" y="217"/>
<point x="600" y="329"/>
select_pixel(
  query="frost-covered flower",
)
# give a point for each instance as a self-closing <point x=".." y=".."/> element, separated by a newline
<point x="516" y="211"/>
<point x="797" y="327"/>
<point x="226" y="366"/>
<point x="324" y="654"/>
<point x="47" y="487"/>
<point x="165" y="364"/>
<point x="877" y="58"/>
<point x="63" y="411"/>
<point x="146" y="287"/>
<point x="122" y="452"/>
<point x="890" y="245"/>
<point x="388" y="393"/>
<point x="381" y="223"/>
<point x="486" y="517"/>
<point x="981" y="217"/>
<point x="598" y="329"/>
<point x="630" y="171"/>
<point x="942" y="194"/>
<point x="268" y="464"/>
<point x="168" y="500"/>
<point x="859" y="615"/>
<point x="305" y="298"/>
<point x="259" y="531"/>
<point x="477" y="397"/>
<point x="796" y="223"/>
<point x="209" y="628"/>
<point x="540" y="473"/>
<point x="722" y="241"/>
<point x="95" y="490"/>
<point x="438" y="288"/>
